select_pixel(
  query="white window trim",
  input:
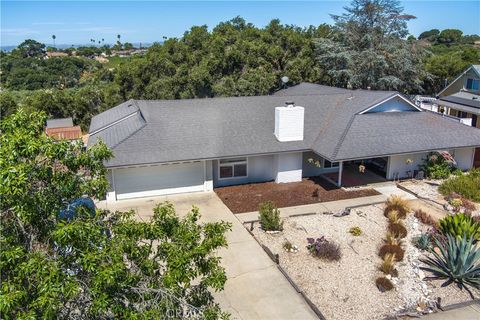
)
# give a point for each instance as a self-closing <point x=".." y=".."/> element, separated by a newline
<point x="233" y="170"/>
<point x="331" y="164"/>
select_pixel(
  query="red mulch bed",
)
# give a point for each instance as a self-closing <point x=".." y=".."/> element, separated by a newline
<point x="247" y="197"/>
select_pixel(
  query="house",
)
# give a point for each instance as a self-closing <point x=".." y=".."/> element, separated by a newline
<point x="55" y="54"/>
<point x="461" y="97"/>
<point x="174" y="146"/>
<point x="63" y="129"/>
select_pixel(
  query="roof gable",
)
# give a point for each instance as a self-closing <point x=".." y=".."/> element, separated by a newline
<point x="473" y="68"/>
<point x="395" y="103"/>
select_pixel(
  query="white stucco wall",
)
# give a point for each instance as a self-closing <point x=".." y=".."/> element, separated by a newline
<point x="208" y="184"/>
<point x="397" y="164"/>
<point x="464" y="157"/>
<point x="259" y="169"/>
<point x="288" y="167"/>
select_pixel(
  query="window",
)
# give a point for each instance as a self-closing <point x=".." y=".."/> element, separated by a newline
<point x="473" y="84"/>
<point x="232" y="168"/>
<point x="328" y="164"/>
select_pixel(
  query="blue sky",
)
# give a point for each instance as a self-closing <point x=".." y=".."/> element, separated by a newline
<point x="76" y="22"/>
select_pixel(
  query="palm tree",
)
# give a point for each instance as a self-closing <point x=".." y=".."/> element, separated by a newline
<point x="54" y="37"/>
<point x="118" y="37"/>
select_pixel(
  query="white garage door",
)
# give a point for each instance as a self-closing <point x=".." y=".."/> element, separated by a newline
<point x="158" y="180"/>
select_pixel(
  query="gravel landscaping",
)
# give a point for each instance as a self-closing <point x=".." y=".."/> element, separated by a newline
<point x="346" y="289"/>
<point x="429" y="190"/>
<point x="247" y="197"/>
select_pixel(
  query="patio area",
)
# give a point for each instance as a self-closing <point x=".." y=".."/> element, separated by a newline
<point x="351" y="177"/>
<point x="248" y="197"/>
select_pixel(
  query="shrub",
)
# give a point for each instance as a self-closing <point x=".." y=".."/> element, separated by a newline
<point x="460" y="225"/>
<point x="399" y="204"/>
<point x="436" y="166"/>
<point x="324" y="249"/>
<point x="287" y="245"/>
<point x="392" y="249"/>
<point x="398" y="229"/>
<point x="425" y="218"/>
<point x="457" y="261"/>
<point x="423" y="242"/>
<point x="270" y="217"/>
<point x="383" y="284"/>
<point x="467" y="185"/>
<point x="393" y="239"/>
<point x="355" y="231"/>
<point x="468" y="205"/>
<point x="388" y="265"/>
<point x="393" y="216"/>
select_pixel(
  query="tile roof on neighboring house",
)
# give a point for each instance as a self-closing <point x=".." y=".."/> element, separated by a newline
<point x="156" y="131"/>
<point x="68" y="133"/>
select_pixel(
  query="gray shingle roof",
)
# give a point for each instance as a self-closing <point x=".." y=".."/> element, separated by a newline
<point x="463" y="98"/>
<point x="60" y="123"/>
<point x="380" y="134"/>
<point x="157" y="131"/>
<point x="114" y="114"/>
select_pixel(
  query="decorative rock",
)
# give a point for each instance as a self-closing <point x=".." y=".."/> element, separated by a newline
<point x="344" y="212"/>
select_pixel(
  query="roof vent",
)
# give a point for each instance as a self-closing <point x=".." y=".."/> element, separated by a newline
<point x="289" y="122"/>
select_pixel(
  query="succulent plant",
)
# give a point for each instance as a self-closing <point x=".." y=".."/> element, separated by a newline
<point x="460" y="225"/>
<point x="423" y="242"/>
<point x="355" y="231"/>
<point x="457" y="260"/>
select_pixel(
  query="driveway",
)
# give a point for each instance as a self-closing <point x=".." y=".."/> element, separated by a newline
<point x="255" y="288"/>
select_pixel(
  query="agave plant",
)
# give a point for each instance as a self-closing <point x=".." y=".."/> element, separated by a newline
<point x="460" y="225"/>
<point x="458" y="261"/>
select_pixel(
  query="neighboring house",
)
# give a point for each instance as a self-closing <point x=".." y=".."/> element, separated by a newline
<point x="55" y="54"/>
<point x="173" y="146"/>
<point x="63" y="129"/>
<point x="461" y="97"/>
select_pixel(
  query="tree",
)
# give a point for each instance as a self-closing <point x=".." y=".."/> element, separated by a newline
<point x="60" y="258"/>
<point x="430" y="35"/>
<point x="450" y="36"/>
<point x="369" y="51"/>
<point x="53" y="38"/>
<point x="30" y="49"/>
<point x="127" y="46"/>
<point x="8" y="105"/>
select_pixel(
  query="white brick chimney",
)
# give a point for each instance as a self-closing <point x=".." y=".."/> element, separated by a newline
<point x="289" y="122"/>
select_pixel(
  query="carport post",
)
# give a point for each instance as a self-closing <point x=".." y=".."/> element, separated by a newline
<point x="340" y="171"/>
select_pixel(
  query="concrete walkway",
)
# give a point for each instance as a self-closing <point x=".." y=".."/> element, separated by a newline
<point x="471" y="312"/>
<point x="385" y="189"/>
<point x="332" y="206"/>
<point x="255" y="288"/>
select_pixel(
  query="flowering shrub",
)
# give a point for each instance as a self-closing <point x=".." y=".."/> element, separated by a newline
<point x="438" y="165"/>
<point x="324" y="249"/>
